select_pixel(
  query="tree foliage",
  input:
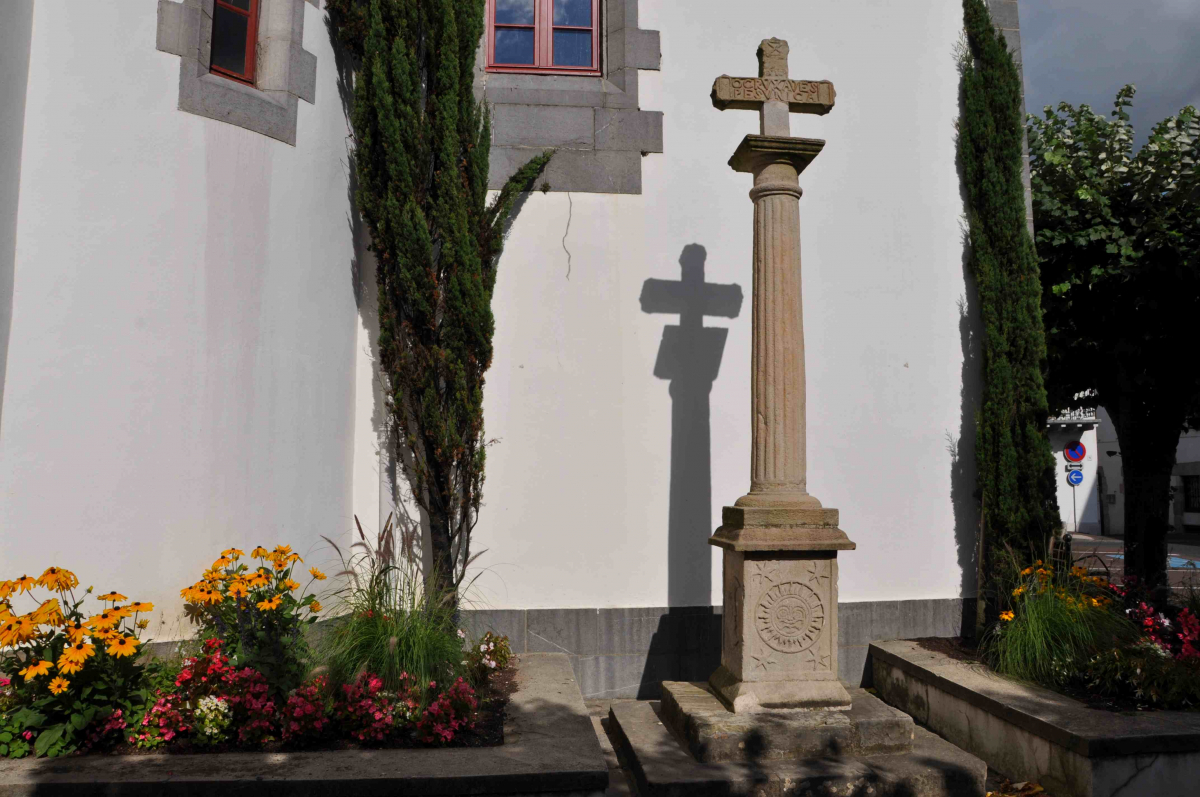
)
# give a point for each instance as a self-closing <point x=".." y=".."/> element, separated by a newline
<point x="422" y="142"/>
<point x="1119" y="238"/>
<point x="1015" y="466"/>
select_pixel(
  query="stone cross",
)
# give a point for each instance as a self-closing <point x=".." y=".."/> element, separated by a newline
<point x="773" y="94"/>
<point x="780" y="634"/>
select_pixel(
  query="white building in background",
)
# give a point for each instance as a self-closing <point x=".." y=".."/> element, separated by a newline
<point x="1078" y="504"/>
<point x="186" y="314"/>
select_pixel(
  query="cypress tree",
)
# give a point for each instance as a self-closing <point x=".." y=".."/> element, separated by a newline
<point x="1015" y="465"/>
<point x="421" y="148"/>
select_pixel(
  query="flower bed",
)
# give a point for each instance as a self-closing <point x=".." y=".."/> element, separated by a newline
<point x="1110" y="645"/>
<point x="74" y="683"/>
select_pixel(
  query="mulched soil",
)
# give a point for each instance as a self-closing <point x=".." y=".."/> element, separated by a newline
<point x="488" y="730"/>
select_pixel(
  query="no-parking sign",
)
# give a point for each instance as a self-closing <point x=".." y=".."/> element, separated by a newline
<point x="1075" y="451"/>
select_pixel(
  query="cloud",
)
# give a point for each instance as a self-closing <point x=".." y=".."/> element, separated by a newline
<point x="1082" y="51"/>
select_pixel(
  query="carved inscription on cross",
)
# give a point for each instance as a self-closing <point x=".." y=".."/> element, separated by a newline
<point x="773" y="94"/>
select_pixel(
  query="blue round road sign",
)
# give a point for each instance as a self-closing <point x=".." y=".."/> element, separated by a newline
<point x="1075" y="451"/>
<point x="1075" y="478"/>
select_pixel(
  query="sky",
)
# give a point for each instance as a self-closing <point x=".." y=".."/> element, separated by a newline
<point x="1083" y="51"/>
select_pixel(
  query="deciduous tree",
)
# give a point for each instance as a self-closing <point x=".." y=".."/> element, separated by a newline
<point x="1119" y="239"/>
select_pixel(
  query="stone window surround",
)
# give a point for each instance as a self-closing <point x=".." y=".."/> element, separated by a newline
<point x="594" y="123"/>
<point x="285" y="71"/>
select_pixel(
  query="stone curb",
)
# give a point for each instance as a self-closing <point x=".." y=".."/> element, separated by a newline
<point x="1093" y="733"/>
<point x="550" y="748"/>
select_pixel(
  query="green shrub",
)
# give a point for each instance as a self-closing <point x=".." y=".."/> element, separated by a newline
<point x="487" y="655"/>
<point x="392" y="621"/>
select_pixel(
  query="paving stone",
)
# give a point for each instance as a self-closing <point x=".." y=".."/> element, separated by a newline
<point x="634" y="676"/>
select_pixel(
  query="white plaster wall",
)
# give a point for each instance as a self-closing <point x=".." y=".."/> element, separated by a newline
<point x="181" y="367"/>
<point x="577" y="491"/>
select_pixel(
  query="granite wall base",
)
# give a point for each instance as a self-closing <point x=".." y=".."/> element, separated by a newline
<point x="629" y="652"/>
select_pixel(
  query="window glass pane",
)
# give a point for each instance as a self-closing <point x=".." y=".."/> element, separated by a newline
<point x="572" y="48"/>
<point x="577" y="13"/>
<point x="514" y="46"/>
<point x="242" y="4"/>
<point x="229" y="40"/>
<point x="514" y="12"/>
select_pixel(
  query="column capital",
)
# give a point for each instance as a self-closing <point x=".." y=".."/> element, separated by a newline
<point x="755" y="153"/>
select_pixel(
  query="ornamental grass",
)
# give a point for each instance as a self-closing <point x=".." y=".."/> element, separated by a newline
<point x="394" y="623"/>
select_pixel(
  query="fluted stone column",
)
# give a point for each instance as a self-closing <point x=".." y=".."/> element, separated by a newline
<point x="779" y="639"/>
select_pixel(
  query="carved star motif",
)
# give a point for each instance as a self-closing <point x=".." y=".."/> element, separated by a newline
<point x="765" y="662"/>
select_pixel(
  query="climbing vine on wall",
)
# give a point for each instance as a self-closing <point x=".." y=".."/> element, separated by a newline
<point x="421" y="147"/>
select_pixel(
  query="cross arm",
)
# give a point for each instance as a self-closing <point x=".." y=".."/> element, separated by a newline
<point x="751" y="93"/>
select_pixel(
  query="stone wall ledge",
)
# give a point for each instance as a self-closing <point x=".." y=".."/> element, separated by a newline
<point x="1030" y="733"/>
<point x="549" y="747"/>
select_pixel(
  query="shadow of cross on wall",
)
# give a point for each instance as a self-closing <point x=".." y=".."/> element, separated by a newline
<point x="690" y="358"/>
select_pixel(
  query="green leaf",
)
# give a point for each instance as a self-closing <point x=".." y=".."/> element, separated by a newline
<point x="47" y="738"/>
<point x="6" y="737"/>
<point x="78" y="722"/>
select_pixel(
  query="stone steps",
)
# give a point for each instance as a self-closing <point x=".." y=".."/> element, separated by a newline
<point x="663" y="766"/>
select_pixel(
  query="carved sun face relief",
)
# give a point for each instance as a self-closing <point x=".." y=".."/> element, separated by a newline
<point x="790" y="617"/>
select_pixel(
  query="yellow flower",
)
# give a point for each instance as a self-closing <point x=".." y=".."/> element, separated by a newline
<point x="233" y="553"/>
<point x="238" y="590"/>
<point x="59" y="580"/>
<point x="137" y="607"/>
<point x="111" y="596"/>
<point x="49" y="613"/>
<point x="59" y="685"/>
<point x="214" y="576"/>
<point x="1006" y="616"/>
<point x="291" y="586"/>
<point x="24" y="584"/>
<point x="76" y="632"/>
<point x="281" y="564"/>
<point x="103" y="621"/>
<point x="269" y="604"/>
<point x="1017" y="592"/>
<point x="18" y="630"/>
<point x="143" y="624"/>
<point x="295" y="557"/>
<point x="260" y="579"/>
<point x="317" y="574"/>
<point x="6" y="589"/>
<point x="122" y="611"/>
<point x="314" y="607"/>
<point x="34" y="670"/>
<point x="68" y="667"/>
<point x="79" y="652"/>
<point x="5" y="612"/>
<point x="283" y="550"/>
<point x="260" y="553"/>
<point x="125" y="646"/>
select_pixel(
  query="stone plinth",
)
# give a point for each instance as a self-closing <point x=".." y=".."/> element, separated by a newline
<point x="779" y="641"/>
<point x="713" y="733"/>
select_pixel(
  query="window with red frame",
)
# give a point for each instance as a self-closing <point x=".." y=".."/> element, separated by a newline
<point x="234" y="36"/>
<point x="547" y="36"/>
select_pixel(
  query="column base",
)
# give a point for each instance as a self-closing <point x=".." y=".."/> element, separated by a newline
<point x="749" y="696"/>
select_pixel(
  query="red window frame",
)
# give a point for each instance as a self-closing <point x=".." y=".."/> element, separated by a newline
<point x="251" y="43"/>
<point x="543" y="42"/>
